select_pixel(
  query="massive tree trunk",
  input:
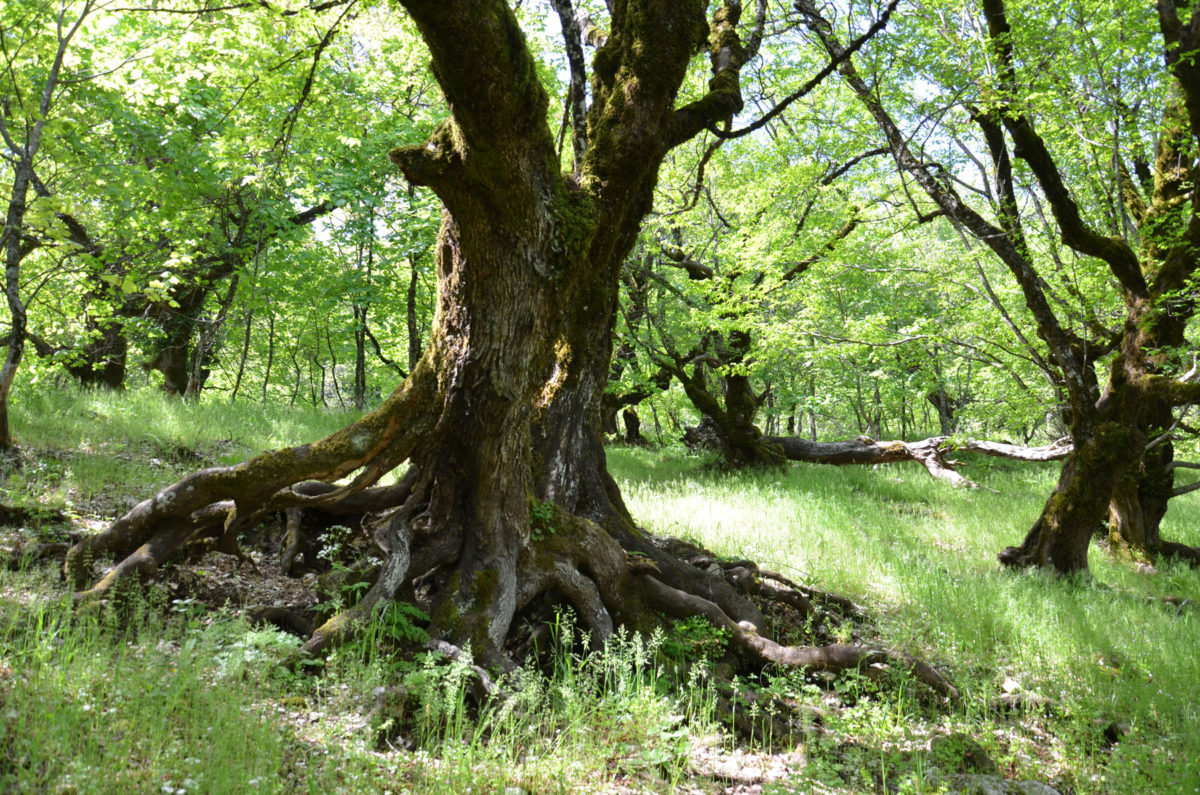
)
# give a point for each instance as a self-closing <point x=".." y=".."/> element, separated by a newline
<point x="507" y="499"/>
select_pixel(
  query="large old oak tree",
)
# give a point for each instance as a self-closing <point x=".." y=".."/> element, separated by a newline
<point x="500" y="420"/>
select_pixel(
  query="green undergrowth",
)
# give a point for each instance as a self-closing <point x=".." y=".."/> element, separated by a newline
<point x="921" y="557"/>
<point x="171" y="697"/>
<point x="165" y="697"/>
<point x="133" y="702"/>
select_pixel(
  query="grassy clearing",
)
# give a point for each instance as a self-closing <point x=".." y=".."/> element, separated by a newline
<point x="93" y="445"/>
<point x="922" y="557"/>
<point x="166" y="698"/>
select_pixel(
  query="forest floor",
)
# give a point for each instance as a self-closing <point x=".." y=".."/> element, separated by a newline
<point x="1068" y="686"/>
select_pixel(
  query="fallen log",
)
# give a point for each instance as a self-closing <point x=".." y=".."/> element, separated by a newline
<point x="931" y="453"/>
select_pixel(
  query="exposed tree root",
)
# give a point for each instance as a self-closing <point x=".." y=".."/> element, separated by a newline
<point x="1182" y="551"/>
<point x="25" y="555"/>
<point x="575" y="562"/>
<point x="225" y="501"/>
<point x="611" y="573"/>
<point x="837" y="657"/>
<point x="284" y="618"/>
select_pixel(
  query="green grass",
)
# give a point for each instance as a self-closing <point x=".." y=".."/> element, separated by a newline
<point x="95" y="419"/>
<point x="921" y="556"/>
<point x="127" y="704"/>
<point x="93" y="445"/>
<point x="135" y="702"/>
<point x="160" y="697"/>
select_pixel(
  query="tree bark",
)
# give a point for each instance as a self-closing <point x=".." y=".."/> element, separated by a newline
<point x="500" y="418"/>
<point x="414" y="329"/>
<point x="270" y="354"/>
<point x="241" y="371"/>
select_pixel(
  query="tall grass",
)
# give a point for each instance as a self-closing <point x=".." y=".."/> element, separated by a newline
<point x="921" y="556"/>
<point x="127" y="703"/>
<point x="159" y="698"/>
<point x="95" y="446"/>
<point x="139" y="702"/>
<point x="71" y="418"/>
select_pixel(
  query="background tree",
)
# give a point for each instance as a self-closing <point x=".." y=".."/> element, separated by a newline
<point x="35" y="40"/>
<point x="1120" y="457"/>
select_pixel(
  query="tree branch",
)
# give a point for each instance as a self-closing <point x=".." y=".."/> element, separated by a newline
<point x="1113" y="251"/>
<point x="724" y="97"/>
<point x="949" y="202"/>
<point x="827" y="249"/>
<point x="289" y="122"/>
<point x="577" y="94"/>
<point x="825" y="72"/>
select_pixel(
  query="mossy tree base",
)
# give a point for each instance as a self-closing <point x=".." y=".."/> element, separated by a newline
<point x="608" y="579"/>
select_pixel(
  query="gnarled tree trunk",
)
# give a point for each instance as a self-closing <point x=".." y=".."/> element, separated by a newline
<point x="508" y="498"/>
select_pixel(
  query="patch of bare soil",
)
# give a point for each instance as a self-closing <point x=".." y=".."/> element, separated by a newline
<point x="218" y="580"/>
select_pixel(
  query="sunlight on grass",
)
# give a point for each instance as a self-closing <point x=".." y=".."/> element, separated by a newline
<point x="100" y="451"/>
<point x="90" y="420"/>
<point x="141" y="691"/>
<point x="921" y="556"/>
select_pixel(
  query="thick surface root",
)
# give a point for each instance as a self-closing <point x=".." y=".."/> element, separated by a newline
<point x="225" y="501"/>
<point x="571" y="561"/>
<point x="612" y="576"/>
<point x="1182" y="551"/>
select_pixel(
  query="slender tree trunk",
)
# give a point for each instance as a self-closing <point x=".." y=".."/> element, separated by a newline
<point x="877" y="425"/>
<point x="360" y="357"/>
<point x="414" y="328"/>
<point x="333" y="367"/>
<point x="13" y="254"/>
<point x="299" y="374"/>
<point x="241" y="371"/>
<point x="14" y="245"/>
<point x="317" y="393"/>
<point x="210" y="332"/>
<point x="270" y="355"/>
<point x="859" y="409"/>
